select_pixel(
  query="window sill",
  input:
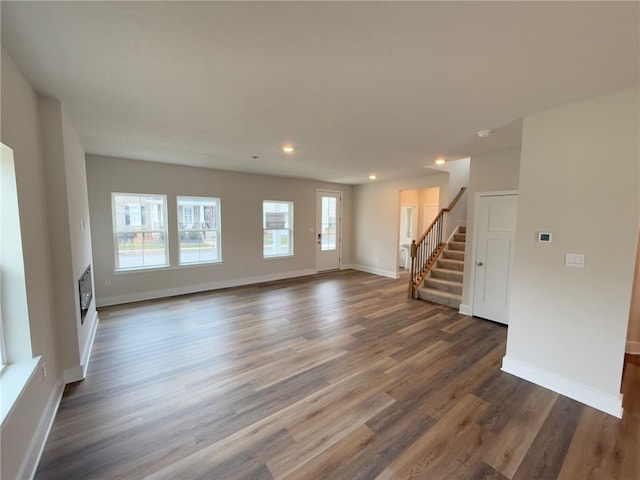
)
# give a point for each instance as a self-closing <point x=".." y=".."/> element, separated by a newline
<point x="166" y="267"/>
<point x="276" y="257"/>
<point x="14" y="379"/>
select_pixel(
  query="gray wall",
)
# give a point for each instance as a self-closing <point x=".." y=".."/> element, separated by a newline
<point x="52" y="197"/>
<point x="580" y="180"/>
<point x="68" y="207"/>
<point x="376" y="212"/>
<point x="241" y="197"/>
<point x="497" y="171"/>
<point x="21" y="132"/>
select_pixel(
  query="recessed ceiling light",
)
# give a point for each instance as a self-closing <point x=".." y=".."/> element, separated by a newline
<point x="440" y="161"/>
<point x="483" y="133"/>
<point x="372" y="176"/>
<point x="288" y="148"/>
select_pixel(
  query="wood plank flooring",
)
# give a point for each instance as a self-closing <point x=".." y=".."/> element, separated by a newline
<point x="333" y="376"/>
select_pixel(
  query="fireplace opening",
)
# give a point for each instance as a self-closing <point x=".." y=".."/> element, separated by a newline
<point x="85" y="287"/>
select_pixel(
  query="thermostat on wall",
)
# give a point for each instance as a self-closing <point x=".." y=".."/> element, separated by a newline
<point x="544" y="237"/>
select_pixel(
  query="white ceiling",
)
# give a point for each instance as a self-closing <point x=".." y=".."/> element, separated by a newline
<point x="357" y="87"/>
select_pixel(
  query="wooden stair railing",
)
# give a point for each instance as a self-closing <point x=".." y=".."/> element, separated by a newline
<point x="425" y="251"/>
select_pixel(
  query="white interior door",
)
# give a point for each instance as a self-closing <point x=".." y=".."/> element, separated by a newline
<point x="495" y="234"/>
<point x="429" y="213"/>
<point x="328" y="223"/>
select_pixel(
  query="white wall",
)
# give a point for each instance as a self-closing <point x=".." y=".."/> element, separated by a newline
<point x="497" y="171"/>
<point x="580" y="180"/>
<point x="459" y="171"/>
<point x="21" y="132"/>
<point x="376" y="214"/>
<point x="241" y="196"/>
<point x="68" y="204"/>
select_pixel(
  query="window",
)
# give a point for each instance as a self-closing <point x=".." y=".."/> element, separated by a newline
<point x="140" y="240"/>
<point x="17" y="356"/>
<point x="277" y="224"/>
<point x="199" y="230"/>
<point x="3" y="354"/>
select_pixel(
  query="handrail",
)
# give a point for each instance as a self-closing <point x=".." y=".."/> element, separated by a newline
<point x="429" y="247"/>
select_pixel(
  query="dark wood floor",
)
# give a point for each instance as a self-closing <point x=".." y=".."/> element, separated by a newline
<point x="335" y="376"/>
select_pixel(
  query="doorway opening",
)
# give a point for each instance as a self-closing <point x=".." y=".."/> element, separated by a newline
<point x="418" y="208"/>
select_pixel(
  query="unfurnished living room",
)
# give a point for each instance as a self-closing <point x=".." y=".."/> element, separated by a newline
<point x="320" y="240"/>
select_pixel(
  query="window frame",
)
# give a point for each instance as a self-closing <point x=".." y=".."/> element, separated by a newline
<point x="138" y="229"/>
<point x="289" y="229"/>
<point x="3" y="349"/>
<point x="201" y="202"/>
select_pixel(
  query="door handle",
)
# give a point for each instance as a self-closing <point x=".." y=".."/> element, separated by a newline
<point x="479" y="264"/>
<point x="319" y="238"/>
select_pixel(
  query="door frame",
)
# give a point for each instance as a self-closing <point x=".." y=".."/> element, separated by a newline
<point x="468" y="308"/>
<point x="340" y="194"/>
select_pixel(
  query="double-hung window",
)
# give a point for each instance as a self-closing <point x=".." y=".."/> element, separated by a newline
<point x="277" y="225"/>
<point x="3" y="352"/>
<point x="199" y="230"/>
<point x="139" y="230"/>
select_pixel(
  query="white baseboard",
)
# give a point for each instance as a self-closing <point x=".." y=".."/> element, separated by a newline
<point x="202" y="287"/>
<point x="86" y="355"/>
<point x="465" y="309"/>
<point x="633" y="347"/>
<point x="346" y="266"/>
<point x="582" y="393"/>
<point x="376" y="271"/>
<point x="39" y="439"/>
<point x="73" y="374"/>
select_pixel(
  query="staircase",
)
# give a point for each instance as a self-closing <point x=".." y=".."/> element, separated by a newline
<point x="444" y="283"/>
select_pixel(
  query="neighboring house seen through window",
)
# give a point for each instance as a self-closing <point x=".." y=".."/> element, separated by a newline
<point x="199" y="230"/>
<point x="140" y="240"/>
<point x="277" y="224"/>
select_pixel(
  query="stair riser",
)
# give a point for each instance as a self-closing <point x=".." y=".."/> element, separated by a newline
<point x="451" y="275"/>
<point x="459" y="237"/>
<point x="434" y="298"/>
<point x="450" y="264"/>
<point x="462" y="229"/>
<point x="453" y="255"/>
<point x="445" y="287"/>
<point x="459" y="246"/>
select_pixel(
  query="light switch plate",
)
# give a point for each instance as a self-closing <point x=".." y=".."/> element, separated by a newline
<point x="574" y="260"/>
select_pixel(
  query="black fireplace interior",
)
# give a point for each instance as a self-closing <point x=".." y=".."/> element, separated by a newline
<point x="85" y="287"/>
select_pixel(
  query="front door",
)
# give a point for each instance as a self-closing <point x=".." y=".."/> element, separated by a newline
<point x="495" y="234"/>
<point x="328" y="220"/>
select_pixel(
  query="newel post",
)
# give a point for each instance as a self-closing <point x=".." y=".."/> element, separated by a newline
<point x="414" y="250"/>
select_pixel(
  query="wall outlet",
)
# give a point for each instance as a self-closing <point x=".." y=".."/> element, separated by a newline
<point x="43" y="368"/>
<point x="107" y="282"/>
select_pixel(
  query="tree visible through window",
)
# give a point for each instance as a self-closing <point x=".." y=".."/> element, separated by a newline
<point x="140" y="242"/>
